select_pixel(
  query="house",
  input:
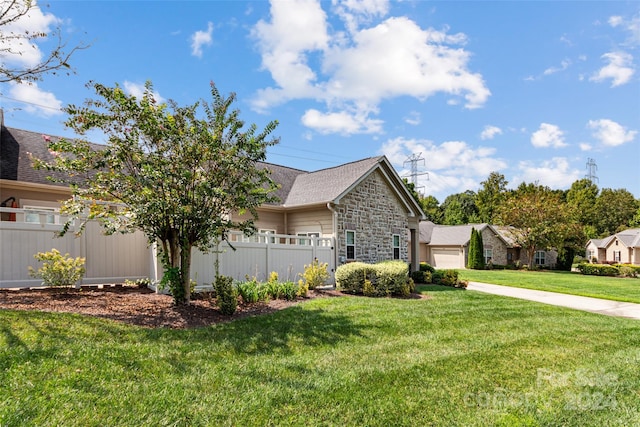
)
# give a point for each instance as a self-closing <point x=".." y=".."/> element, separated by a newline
<point x="622" y="247"/>
<point x="363" y="206"/>
<point x="447" y="246"/>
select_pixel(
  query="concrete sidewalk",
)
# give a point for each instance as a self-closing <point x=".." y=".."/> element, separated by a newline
<point x="594" y="305"/>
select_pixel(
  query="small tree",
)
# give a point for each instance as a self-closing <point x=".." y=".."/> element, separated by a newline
<point x="475" y="259"/>
<point x="165" y="171"/>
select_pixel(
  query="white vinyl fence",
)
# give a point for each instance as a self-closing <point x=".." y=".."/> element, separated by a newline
<point x="109" y="259"/>
<point x="115" y="258"/>
<point x="259" y="255"/>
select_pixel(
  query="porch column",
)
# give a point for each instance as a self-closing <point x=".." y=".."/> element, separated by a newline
<point x="415" y="249"/>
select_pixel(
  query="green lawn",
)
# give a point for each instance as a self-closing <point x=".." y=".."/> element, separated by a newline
<point x="611" y="288"/>
<point x="459" y="358"/>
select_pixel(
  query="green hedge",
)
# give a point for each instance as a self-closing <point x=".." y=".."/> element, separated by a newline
<point x="598" y="269"/>
<point x="382" y="279"/>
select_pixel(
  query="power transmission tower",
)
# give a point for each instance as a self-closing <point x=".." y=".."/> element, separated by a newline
<point x="591" y="170"/>
<point x="413" y="161"/>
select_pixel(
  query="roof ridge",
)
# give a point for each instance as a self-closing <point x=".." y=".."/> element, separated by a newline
<point x="347" y="164"/>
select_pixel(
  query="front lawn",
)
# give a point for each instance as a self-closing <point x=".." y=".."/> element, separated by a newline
<point x="458" y="358"/>
<point x="611" y="288"/>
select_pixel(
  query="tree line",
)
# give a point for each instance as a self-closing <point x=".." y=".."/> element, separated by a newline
<point x="543" y="217"/>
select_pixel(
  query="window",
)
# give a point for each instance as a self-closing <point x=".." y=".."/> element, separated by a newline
<point x="617" y="255"/>
<point x="488" y="255"/>
<point x="351" y="244"/>
<point x="396" y="246"/>
<point x="34" y="216"/>
<point x="539" y="258"/>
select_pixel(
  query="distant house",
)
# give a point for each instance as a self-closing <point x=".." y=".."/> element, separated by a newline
<point x="622" y="247"/>
<point x="363" y="206"/>
<point x="447" y="246"/>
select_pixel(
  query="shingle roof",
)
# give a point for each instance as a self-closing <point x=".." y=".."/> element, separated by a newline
<point x="327" y="185"/>
<point x="630" y="238"/>
<point x="15" y="163"/>
<point x="458" y="235"/>
<point x="296" y="187"/>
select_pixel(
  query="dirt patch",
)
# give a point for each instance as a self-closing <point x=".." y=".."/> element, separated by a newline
<point x="137" y="306"/>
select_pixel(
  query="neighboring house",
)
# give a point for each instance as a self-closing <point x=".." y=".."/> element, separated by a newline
<point x="363" y="205"/>
<point x="447" y="246"/>
<point x="622" y="247"/>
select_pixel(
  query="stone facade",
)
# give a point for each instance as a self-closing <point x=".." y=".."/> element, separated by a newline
<point x="374" y="212"/>
<point x="497" y="246"/>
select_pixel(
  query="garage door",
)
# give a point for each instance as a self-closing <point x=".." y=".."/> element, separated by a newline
<point x="446" y="258"/>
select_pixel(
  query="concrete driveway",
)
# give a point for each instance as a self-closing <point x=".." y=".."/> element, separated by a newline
<point x="594" y="305"/>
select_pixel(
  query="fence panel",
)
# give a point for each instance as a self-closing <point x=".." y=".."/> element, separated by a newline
<point x="109" y="259"/>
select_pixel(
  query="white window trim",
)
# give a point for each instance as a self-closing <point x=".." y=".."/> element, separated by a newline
<point x="393" y="245"/>
<point x="307" y="234"/>
<point x="537" y="258"/>
<point x="346" y="241"/>
<point x="40" y="210"/>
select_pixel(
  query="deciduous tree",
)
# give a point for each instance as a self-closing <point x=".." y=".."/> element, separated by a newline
<point x="490" y="196"/>
<point x="175" y="176"/>
<point x="540" y="218"/>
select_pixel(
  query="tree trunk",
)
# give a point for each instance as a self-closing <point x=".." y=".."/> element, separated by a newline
<point x="185" y="270"/>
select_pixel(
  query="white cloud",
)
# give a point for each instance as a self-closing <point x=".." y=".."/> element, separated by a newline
<point x="356" y="12"/>
<point x="20" y="51"/>
<point x="610" y="133"/>
<point x="564" y="64"/>
<point x="37" y="101"/>
<point x="137" y="90"/>
<point x="413" y="118"/>
<point x="555" y="173"/>
<point x="632" y="26"/>
<point x="363" y="66"/>
<point x="548" y="135"/>
<point x="200" y="39"/>
<point x="453" y="166"/>
<point x="489" y="132"/>
<point x="620" y="69"/>
<point x="585" y="147"/>
<point x="340" y="122"/>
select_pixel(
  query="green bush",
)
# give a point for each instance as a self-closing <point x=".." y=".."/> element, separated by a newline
<point x="448" y="278"/>
<point x="289" y="290"/>
<point x="598" y="269"/>
<point x="426" y="267"/>
<point x="57" y="269"/>
<point x="249" y="291"/>
<point x="418" y="276"/>
<point x="382" y="279"/>
<point x="226" y="295"/>
<point x="315" y="274"/>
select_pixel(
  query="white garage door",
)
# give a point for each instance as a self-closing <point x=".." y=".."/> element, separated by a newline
<point x="446" y="258"/>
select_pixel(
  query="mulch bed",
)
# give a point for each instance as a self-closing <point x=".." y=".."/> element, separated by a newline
<point x="137" y="306"/>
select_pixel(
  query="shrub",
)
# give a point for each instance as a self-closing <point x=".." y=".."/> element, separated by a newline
<point x="419" y="276"/>
<point x="627" y="271"/>
<point x="303" y="288"/>
<point x="449" y="278"/>
<point x="57" y="269"/>
<point x="598" y="269"/>
<point x="426" y="267"/>
<point x="226" y="295"/>
<point x="249" y="291"/>
<point x="382" y="279"/>
<point x="273" y="289"/>
<point x="289" y="290"/>
<point x="315" y="274"/>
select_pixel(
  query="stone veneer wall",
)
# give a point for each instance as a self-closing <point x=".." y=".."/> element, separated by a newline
<point x="374" y="212"/>
<point x="493" y="242"/>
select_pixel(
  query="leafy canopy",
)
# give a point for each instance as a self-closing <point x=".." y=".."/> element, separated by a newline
<point x="165" y="171"/>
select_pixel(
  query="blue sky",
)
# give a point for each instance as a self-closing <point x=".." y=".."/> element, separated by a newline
<point x="528" y="89"/>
